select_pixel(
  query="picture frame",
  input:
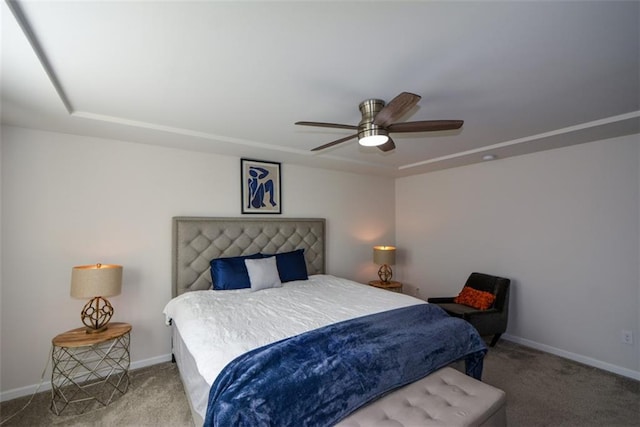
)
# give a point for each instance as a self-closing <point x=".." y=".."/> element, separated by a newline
<point x="260" y="183"/>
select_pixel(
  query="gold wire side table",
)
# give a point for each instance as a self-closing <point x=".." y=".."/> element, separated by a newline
<point x="89" y="370"/>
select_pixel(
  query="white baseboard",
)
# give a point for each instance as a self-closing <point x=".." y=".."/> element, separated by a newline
<point x="625" y="372"/>
<point x="151" y="361"/>
<point x="46" y="385"/>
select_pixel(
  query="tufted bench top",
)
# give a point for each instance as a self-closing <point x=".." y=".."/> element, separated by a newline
<point x="446" y="397"/>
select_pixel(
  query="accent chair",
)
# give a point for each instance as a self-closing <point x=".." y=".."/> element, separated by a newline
<point x="491" y="321"/>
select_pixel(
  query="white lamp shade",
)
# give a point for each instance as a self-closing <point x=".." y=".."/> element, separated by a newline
<point x="99" y="280"/>
<point x="384" y="255"/>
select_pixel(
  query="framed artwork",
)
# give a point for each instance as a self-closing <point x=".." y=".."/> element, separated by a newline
<point x="260" y="184"/>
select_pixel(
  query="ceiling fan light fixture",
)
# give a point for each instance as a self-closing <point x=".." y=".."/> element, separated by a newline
<point x="373" y="140"/>
<point x="370" y="135"/>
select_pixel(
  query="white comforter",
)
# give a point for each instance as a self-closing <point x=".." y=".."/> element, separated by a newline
<point x="218" y="326"/>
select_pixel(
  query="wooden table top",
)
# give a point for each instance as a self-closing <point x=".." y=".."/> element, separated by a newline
<point x="381" y="284"/>
<point x="79" y="337"/>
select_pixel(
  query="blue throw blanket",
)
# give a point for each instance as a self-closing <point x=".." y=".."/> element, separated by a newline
<point x="319" y="377"/>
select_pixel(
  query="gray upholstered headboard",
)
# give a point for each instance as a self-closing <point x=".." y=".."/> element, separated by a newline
<point x="198" y="240"/>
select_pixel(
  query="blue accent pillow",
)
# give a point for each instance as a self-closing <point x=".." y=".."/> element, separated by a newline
<point x="231" y="273"/>
<point x="291" y="265"/>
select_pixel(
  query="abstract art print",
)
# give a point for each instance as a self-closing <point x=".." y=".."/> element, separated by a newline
<point x="260" y="183"/>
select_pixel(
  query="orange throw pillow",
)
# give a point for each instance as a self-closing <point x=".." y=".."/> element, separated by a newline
<point x="475" y="298"/>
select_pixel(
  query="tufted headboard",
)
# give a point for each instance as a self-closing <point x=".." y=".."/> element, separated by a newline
<point x="198" y="240"/>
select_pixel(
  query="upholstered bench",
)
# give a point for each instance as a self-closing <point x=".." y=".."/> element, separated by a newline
<point x="447" y="397"/>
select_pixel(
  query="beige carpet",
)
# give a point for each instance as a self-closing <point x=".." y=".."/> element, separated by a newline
<point x="542" y="390"/>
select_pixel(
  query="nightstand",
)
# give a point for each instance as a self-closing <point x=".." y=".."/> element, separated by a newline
<point x="89" y="370"/>
<point x="391" y="286"/>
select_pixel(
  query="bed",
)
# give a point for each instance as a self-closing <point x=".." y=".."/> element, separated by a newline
<point x="225" y="340"/>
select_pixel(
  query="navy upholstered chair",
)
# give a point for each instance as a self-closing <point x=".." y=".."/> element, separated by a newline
<point x="492" y="321"/>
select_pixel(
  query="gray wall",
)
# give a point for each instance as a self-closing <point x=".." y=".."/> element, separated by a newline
<point x="562" y="224"/>
<point x="69" y="200"/>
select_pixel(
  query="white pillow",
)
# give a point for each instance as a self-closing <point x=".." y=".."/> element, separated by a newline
<point x="263" y="273"/>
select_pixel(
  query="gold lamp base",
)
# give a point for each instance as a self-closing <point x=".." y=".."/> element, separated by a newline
<point x="96" y="315"/>
<point x="385" y="274"/>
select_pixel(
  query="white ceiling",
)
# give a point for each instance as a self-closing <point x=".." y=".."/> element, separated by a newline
<point x="232" y="77"/>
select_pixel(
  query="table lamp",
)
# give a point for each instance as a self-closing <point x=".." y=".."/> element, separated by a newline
<point x="96" y="282"/>
<point x="384" y="256"/>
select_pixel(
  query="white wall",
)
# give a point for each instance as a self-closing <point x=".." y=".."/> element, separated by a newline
<point x="564" y="225"/>
<point x="70" y="200"/>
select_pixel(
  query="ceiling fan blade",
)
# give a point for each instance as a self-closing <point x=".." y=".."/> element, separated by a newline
<point x="425" y="126"/>
<point x="327" y="125"/>
<point x="387" y="146"/>
<point x="336" y="142"/>
<point x="396" y="108"/>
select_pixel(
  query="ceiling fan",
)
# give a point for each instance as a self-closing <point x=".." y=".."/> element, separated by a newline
<point x="378" y="121"/>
